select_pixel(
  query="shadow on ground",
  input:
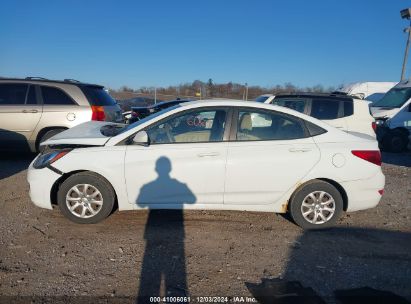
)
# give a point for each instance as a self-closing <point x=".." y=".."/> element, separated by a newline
<point x="14" y="162"/>
<point x="163" y="271"/>
<point x="343" y="265"/>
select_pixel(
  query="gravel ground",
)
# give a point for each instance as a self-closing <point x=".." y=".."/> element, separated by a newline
<point x="198" y="253"/>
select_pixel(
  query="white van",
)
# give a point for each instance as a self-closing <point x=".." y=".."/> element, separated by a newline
<point x="370" y="90"/>
<point x="393" y="116"/>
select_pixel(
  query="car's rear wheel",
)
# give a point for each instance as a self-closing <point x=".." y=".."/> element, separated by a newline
<point x="86" y="198"/>
<point x="316" y="205"/>
<point x="395" y="141"/>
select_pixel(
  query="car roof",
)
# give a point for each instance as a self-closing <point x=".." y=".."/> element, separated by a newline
<point x="333" y="96"/>
<point x="218" y="103"/>
<point x="171" y="101"/>
<point x="45" y="80"/>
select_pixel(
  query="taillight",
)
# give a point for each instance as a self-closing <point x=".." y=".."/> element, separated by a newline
<point x="98" y="113"/>
<point x="374" y="126"/>
<point x="373" y="156"/>
<point x="381" y="192"/>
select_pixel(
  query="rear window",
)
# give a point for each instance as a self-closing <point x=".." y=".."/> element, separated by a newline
<point x="96" y="96"/>
<point x="324" y="109"/>
<point x="13" y="94"/>
<point x="261" y="99"/>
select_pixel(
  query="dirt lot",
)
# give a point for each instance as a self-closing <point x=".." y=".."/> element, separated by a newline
<point x="198" y="253"/>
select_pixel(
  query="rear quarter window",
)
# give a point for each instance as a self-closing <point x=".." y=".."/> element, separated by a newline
<point x="55" y="96"/>
<point x="324" y="109"/>
<point x="348" y="108"/>
<point x="97" y="96"/>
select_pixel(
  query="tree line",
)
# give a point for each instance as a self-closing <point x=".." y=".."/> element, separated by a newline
<point x="209" y="89"/>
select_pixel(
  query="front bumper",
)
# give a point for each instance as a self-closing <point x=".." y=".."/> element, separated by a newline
<point x="41" y="182"/>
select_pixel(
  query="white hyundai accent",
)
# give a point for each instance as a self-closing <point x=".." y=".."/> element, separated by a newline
<point x="215" y="155"/>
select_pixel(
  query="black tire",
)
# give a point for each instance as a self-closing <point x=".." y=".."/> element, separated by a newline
<point x="395" y="141"/>
<point x="48" y="134"/>
<point x="96" y="181"/>
<point x="296" y="201"/>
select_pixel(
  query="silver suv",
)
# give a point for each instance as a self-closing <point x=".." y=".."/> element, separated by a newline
<point x="35" y="109"/>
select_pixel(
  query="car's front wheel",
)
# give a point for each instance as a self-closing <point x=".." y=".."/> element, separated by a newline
<point x="316" y="205"/>
<point x="86" y="198"/>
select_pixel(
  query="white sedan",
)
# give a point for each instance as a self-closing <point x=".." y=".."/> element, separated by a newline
<point x="215" y="155"/>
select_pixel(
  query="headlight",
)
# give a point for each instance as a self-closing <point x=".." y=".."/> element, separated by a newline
<point x="46" y="159"/>
<point x="380" y="122"/>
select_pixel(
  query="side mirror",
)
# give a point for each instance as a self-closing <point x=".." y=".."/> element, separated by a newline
<point x="141" y="138"/>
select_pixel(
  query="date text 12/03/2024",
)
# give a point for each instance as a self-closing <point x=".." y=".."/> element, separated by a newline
<point x="205" y="299"/>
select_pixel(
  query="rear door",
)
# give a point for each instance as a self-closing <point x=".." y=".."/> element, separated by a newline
<point x="19" y="114"/>
<point x="269" y="152"/>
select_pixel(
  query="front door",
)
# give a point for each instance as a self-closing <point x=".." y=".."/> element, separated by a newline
<point x="19" y="115"/>
<point x="184" y="163"/>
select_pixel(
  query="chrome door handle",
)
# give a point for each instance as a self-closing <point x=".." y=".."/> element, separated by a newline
<point x="299" y="149"/>
<point x="208" y="154"/>
<point x="29" y="111"/>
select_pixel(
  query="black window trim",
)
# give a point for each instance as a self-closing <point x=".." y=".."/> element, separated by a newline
<point x="54" y="87"/>
<point x="234" y="124"/>
<point x="227" y="126"/>
<point x="36" y="95"/>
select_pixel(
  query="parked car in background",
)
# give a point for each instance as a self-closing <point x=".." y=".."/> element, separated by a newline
<point x="35" y="109"/>
<point x="393" y="116"/>
<point x="266" y="98"/>
<point x="210" y="155"/>
<point x="343" y="112"/>
<point x="370" y="90"/>
<point x="138" y="113"/>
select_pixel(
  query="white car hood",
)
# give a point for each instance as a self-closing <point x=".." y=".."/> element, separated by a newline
<point x="381" y="112"/>
<point x="87" y="133"/>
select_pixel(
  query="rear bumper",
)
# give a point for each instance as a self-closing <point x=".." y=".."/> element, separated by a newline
<point x="363" y="194"/>
<point x="41" y="181"/>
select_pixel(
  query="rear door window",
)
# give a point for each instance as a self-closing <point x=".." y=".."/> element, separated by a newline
<point x="255" y="125"/>
<point x="325" y="109"/>
<point x="13" y="93"/>
<point x="97" y="96"/>
<point x="295" y="104"/>
<point x="55" y="96"/>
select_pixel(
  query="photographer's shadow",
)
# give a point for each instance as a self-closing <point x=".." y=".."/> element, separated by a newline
<point x="163" y="271"/>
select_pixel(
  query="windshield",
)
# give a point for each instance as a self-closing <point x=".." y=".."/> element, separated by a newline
<point x="394" y="98"/>
<point x="147" y="118"/>
<point x="261" y="98"/>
